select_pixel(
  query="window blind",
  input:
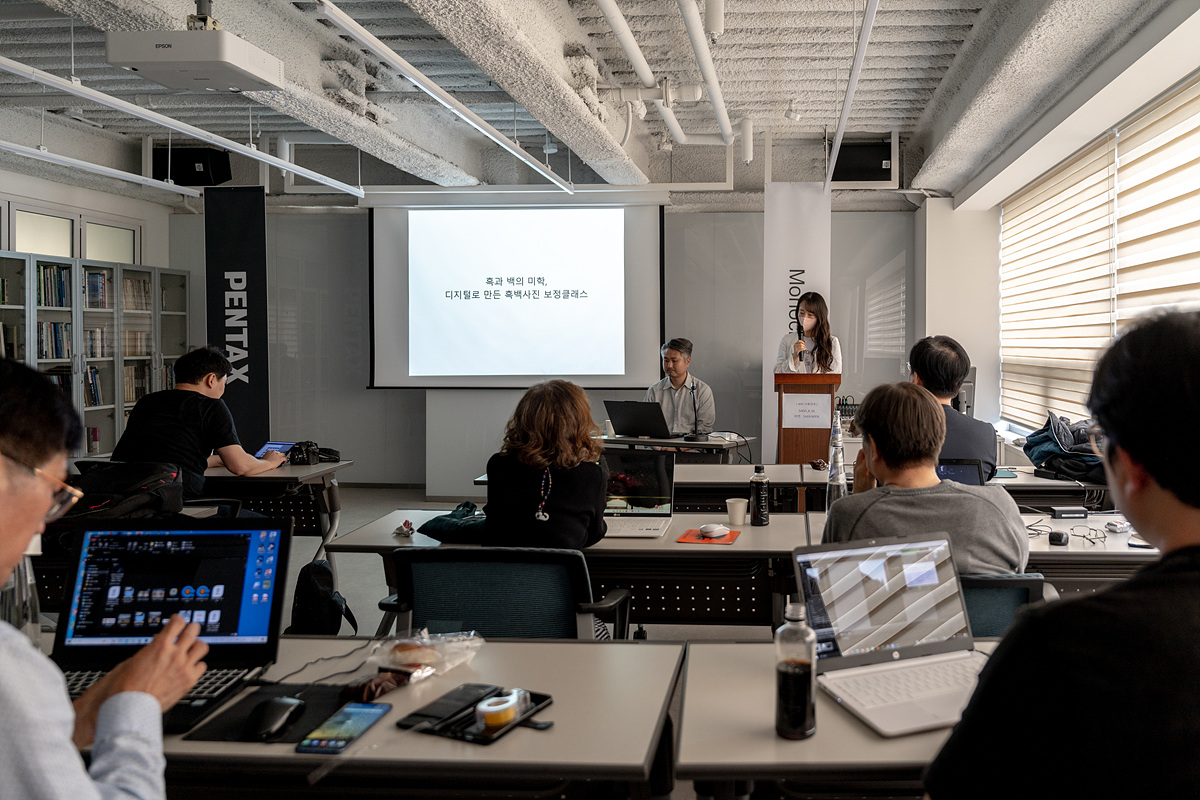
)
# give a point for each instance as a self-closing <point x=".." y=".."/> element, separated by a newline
<point x="1056" y="286"/>
<point x="886" y="303"/>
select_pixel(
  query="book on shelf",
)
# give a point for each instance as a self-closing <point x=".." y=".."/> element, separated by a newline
<point x="96" y="288"/>
<point x="92" y="393"/>
<point x="136" y="293"/>
<point x="93" y="440"/>
<point x="54" y="285"/>
<point x="54" y="339"/>
<point x="136" y="380"/>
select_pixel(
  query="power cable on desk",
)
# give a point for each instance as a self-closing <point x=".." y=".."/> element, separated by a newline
<point x="278" y="681"/>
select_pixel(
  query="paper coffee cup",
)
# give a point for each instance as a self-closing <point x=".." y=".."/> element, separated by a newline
<point x="737" y="510"/>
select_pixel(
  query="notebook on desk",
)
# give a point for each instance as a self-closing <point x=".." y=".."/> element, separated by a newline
<point x="227" y="575"/>
<point x="641" y="491"/>
<point x="637" y="418"/>
<point x="893" y="642"/>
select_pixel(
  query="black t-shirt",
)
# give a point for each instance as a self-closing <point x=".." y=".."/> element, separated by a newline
<point x="967" y="437"/>
<point x="177" y="426"/>
<point x="575" y="505"/>
<point x="1096" y="697"/>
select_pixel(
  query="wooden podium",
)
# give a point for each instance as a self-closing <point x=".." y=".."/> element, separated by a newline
<point x="802" y="445"/>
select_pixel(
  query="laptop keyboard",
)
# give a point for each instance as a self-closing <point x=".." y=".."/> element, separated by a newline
<point x="898" y="684"/>
<point x="212" y="684"/>
<point x="634" y="524"/>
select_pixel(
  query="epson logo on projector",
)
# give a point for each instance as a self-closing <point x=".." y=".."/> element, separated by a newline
<point x="162" y="46"/>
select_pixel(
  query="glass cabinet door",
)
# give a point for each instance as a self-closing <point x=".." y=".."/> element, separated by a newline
<point x="14" y="300"/>
<point x="173" y="323"/>
<point x="98" y="343"/>
<point x="137" y="334"/>
<point x="55" y="299"/>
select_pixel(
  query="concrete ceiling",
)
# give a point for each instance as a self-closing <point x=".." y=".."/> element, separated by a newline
<point x="958" y="79"/>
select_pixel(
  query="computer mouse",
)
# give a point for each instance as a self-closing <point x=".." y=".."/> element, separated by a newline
<point x="713" y="530"/>
<point x="1059" y="538"/>
<point x="271" y="717"/>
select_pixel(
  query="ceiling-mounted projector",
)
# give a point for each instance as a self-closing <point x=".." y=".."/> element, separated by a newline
<point x="215" y="61"/>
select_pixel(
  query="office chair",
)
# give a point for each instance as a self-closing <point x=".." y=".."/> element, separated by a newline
<point x="994" y="600"/>
<point x="516" y="592"/>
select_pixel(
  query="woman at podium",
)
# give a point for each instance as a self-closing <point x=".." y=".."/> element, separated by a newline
<point x="812" y="348"/>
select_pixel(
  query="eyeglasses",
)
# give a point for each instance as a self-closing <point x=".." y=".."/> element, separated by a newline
<point x="1097" y="439"/>
<point x="1090" y="534"/>
<point x="64" y="496"/>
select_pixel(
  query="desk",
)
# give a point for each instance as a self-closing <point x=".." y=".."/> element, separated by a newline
<point x="609" y="711"/>
<point x="727" y="731"/>
<point x="741" y="583"/>
<point x="703" y="488"/>
<point x="724" y="448"/>
<point x="1041" y="493"/>
<point x="276" y="493"/>
<point x="1080" y="566"/>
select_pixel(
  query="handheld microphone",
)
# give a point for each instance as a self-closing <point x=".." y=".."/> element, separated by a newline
<point x="695" y="435"/>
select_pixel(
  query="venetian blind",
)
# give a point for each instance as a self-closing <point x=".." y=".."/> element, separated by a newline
<point x="886" y="302"/>
<point x="1056" y="286"/>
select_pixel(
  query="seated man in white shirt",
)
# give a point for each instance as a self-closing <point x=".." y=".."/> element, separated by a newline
<point x="120" y="716"/>
<point x="687" y="401"/>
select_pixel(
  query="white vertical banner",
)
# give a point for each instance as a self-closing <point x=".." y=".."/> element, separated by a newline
<point x="796" y="254"/>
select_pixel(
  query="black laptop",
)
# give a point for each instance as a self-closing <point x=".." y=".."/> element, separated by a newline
<point x="636" y="418"/>
<point x="961" y="470"/>
<point x="226" y="575"/>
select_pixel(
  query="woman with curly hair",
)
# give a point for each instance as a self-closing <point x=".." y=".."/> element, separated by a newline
<point x="546" y="486"/>
<point x="812" y="348"/>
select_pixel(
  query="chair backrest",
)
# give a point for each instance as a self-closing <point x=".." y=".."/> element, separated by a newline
<point x="993" y="600"/>
<point x="517" y="592"/>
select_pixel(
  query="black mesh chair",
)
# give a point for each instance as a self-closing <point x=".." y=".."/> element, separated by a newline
<point x="994" y="600"/>
<point x="514" y="592"/>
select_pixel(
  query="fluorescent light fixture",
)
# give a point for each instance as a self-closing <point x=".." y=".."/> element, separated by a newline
<point x="87" y="166"/>
<point x="388" y="56"/>
<point x="79" y="90"/>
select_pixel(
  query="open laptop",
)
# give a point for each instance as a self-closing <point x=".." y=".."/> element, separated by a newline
<point x="961" y="470"/>
<point x="640" y="494"/>
<point x="282" y="447"/>
<point x="893" y="642"/>
<point x="635" y="418"/>
<point x="226" y="575"/>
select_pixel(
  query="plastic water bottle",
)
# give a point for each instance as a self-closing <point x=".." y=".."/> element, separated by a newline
<point x="760" y="497"/>
<point x="795" y="676"/>
<point x="835" y="489"/>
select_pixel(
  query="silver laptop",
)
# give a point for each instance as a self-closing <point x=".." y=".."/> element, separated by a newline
<point x="893" y="642"/>
<point x="641" y="491"/>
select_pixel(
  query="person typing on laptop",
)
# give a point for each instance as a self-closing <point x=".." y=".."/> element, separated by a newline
<point x="186" y="424"/>
<point x="940" y="364"/>
<point x="1110" y="677"/>
<point x="546" y="486"/>
<point x="897" y="491"/>
<point x="120" y="717"/>
<point x="687" y="401"/>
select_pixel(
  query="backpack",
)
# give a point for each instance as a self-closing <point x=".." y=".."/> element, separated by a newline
<point x="318" y="608"/>
<point x="125" y="490"/>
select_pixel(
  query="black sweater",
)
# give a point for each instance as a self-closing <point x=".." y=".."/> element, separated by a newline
<point x="575" y="505"/>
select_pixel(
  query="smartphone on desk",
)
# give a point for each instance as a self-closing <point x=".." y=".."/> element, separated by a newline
<point x="338" y="732"/>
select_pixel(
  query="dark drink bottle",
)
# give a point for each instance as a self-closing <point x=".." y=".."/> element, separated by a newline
<point x="760" y="497"/>
<point x="795" y="676"/>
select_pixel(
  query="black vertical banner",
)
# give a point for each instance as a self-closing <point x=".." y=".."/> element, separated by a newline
<point x="235" y="262"/>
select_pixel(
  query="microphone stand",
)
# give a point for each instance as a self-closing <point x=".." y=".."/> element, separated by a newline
<point x="695" y="435"/>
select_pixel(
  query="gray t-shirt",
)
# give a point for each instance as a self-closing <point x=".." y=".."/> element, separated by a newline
<point x="982" y="522"/>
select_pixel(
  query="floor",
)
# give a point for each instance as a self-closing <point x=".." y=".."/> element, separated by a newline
<point x="360" y="580"/>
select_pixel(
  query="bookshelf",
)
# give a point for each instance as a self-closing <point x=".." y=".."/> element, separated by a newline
<point x="106" y="333"/>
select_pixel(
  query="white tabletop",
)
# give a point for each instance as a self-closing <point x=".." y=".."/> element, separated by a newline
<point x="610" y="701"/>
<point x="785" y="532"/>
<point x="727" y="729"/>
<point x="300" y="473"/>
<point x="737" y="475"/>
<point x="713" y="443"/>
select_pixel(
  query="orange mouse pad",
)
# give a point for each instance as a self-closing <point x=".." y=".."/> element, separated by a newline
<point x="693" y="537"/>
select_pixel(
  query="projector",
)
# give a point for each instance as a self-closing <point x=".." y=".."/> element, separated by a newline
<point x="215" y="61"/>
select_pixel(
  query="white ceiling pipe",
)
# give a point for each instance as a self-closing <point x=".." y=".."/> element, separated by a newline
<point x="695" y="29"/>
<point x="667" y="92"/>
<point x="714" y="19"/>
<point x="747" y="134"/>
<point x="79" y="90"/>
<point x="860" y="52"/>
<point x="620" y="29"/>
<point x="387" y="55"/>
<point x="96" y="169"/>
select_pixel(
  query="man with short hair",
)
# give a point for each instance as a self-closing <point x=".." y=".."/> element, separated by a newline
<point x="120" y="716"/>
<point x="687" y="401"/>
<point x="1111" y="676"/>
<point x="941" y="364"/>
<point x="184" y="425"/>
<point x="897" y="491"/>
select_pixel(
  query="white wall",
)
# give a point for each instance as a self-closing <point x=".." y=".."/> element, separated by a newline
<point x="958" y="289"/>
